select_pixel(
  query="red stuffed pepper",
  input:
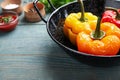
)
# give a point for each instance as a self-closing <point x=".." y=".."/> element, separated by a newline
<point x="112" y="15"/>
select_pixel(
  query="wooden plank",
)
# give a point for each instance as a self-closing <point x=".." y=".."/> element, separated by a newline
<point x="26" y="39"/>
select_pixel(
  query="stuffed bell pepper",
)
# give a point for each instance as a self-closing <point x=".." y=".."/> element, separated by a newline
<point x="112" y="15"/>
<point x="77" y="22"/>
<point x="91" y="35"/>
<point x="103" y="40"/>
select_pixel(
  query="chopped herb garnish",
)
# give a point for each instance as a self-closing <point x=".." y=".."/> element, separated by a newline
<point x="5" y="19"/>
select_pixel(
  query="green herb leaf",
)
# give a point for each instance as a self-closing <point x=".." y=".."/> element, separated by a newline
<point x="55" y="3"/>
<point x="6" y="19"/>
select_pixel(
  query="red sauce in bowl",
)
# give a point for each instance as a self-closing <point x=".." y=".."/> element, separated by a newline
<point x="8" y="21"/>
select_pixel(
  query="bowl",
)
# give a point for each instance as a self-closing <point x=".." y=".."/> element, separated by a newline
<point x="12" y="5"/>
<point x="8" y="21"/>
<point x="54" y="26"/>
<point x="30" y="13"/>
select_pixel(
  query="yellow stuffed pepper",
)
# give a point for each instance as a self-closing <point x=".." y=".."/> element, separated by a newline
<point x="77" y="22"/>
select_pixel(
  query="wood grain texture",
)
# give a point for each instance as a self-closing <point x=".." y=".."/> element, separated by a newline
<point x="28" y="53"/>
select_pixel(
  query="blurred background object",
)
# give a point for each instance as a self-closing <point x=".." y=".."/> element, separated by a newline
<point x="55" y="3"/>
<point x="12" y="5"/>
<point x="31" y="14"/>
<point x="8" y="21"/>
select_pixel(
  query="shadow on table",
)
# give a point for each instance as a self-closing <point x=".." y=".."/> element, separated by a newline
<point x="6" y="33"/>
<point x="61" y="66"/>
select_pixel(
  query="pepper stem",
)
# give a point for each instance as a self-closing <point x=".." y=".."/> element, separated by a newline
<point x="114" y="9"/>
<point x="82" y="19"/>
<point x="97" y="34"/>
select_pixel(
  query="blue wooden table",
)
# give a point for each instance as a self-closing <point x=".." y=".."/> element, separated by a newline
<point x="28" y="53"/>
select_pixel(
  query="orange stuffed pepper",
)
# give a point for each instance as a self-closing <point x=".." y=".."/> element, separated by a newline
<point x="103" y="40"/>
